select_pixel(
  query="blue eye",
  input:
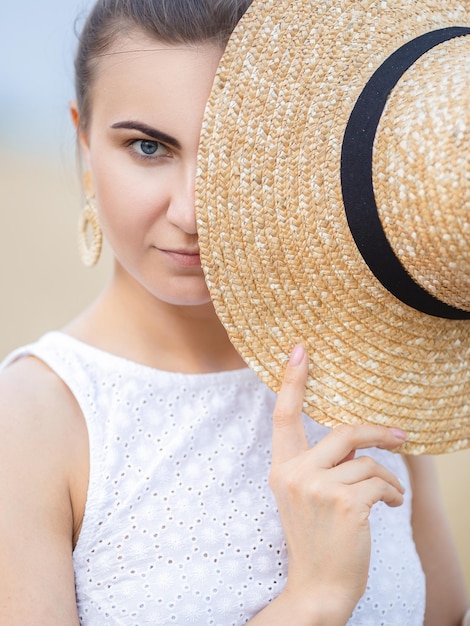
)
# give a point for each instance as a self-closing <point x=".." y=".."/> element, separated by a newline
<point x="148" y="149"/>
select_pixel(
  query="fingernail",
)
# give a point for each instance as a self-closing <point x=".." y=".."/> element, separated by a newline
<point x="297" y="355"/>
<point x="402" y="485"/>
<point x="399" y="434"/>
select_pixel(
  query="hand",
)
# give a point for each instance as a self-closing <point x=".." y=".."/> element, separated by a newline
<point x="324" y="496"/>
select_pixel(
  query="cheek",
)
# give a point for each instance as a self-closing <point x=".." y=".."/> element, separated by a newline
<point x="128" y="205"/>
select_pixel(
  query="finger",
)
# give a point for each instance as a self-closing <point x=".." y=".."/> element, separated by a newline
<point x="361" y="469"/>
<point x="345" y="438"/>
<point x="348" y="457"/>
<point x="375" y="490"/>
<point x="289" y="438"/>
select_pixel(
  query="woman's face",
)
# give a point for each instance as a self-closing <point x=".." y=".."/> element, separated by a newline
<point x="147" y="105"/>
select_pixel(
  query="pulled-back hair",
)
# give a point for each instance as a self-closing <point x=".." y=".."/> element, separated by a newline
<point x="169" y="21"/>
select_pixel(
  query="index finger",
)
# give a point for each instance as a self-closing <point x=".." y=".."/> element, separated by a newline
<point x="345" y="438"/>
<point x="289" y="438"/>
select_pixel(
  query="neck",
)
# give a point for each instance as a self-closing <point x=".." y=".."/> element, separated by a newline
<point x="128" y="321"/>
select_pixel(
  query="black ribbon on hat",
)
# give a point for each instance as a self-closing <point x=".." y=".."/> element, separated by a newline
<point x="357" y="183"/>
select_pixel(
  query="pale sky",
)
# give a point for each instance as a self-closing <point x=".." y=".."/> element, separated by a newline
<point x="37" y="44"/>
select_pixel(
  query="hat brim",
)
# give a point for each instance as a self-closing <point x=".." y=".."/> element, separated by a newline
<point x="279" y="259"/>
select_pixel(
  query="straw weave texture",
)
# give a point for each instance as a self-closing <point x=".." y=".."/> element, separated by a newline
<point x="422" y="176"/>
<point x="279" y="260"/>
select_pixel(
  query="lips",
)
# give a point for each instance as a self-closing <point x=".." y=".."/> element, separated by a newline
<point x="184" y="258"/>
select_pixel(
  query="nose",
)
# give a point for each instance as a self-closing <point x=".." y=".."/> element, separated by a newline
<point x="181" y="208"/>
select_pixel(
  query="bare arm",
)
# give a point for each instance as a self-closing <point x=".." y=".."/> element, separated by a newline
<point x="41" y="447"/>
<point x="447" y="599"/>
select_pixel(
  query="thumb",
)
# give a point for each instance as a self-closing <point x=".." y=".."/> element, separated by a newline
<point x="289" y="438"/>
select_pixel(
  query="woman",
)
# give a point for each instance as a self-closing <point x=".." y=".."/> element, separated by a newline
<point x="136" y="446"/>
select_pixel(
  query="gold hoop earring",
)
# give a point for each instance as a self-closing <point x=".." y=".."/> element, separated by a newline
<point x="89" y="250"/>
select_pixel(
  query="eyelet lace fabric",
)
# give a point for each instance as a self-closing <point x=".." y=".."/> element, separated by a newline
<point x="180" y="524"/>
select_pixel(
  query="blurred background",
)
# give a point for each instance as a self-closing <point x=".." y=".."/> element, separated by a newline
<point x="42" y="281"/>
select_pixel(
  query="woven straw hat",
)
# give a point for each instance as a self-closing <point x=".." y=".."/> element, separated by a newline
<point x="333" y="207"/>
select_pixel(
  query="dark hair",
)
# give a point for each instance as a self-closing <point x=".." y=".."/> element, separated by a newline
<point x="169" y="21"/>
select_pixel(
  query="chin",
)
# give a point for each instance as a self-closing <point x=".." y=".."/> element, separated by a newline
<point x="187" y="299"/>
<point x="197" y="302"/>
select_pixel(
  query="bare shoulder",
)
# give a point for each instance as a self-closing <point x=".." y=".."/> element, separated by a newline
<point x="35" y="403"/>
<point x="43" y="429"/>
<point x="29" y="380"/>
<point x="38" y="412"/>
<point x="43" y="476"/>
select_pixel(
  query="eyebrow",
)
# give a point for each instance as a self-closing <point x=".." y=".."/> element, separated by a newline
<point x="148" y="130"/>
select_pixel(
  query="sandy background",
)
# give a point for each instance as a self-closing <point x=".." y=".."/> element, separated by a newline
<point x="43" y="285"/>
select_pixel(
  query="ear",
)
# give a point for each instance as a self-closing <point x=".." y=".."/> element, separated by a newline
<point x="81" y="135"/>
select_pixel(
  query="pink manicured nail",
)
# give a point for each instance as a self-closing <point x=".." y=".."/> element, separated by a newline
<point x="399" y="434"/>
<point x="297" y="355"/>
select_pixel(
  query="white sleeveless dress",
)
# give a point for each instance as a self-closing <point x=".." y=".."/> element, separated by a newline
<point x="180" y="525"/>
